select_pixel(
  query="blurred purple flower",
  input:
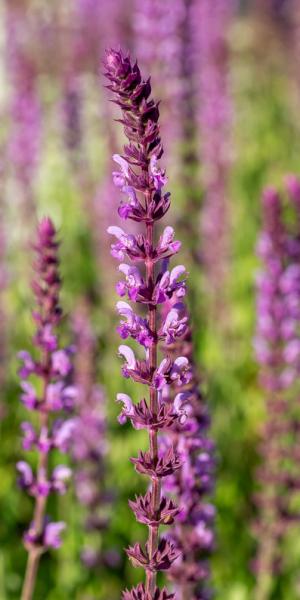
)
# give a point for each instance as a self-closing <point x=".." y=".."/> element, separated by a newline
<point x="52" y="534"/>
<point x="277" y="346"/>
<point x="51" y="367"/>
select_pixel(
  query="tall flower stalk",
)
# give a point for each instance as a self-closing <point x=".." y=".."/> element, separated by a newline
<point x="277" y="347"/>
<point x="51" y="366"/>
<point x="141" y="182"/>
<point x="192" y="485"/>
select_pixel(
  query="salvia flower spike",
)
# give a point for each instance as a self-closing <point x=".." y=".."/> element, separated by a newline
<point x="146" y="281"/>
<point x="52" y="366"/>
<point x="277" y="349"/>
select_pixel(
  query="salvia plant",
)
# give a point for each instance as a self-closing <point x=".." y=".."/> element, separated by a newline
<point x="193" y="484"/>
<point x="149" y="283"/>
<point x="49" y="397"/>
<point x="277" y="347"/>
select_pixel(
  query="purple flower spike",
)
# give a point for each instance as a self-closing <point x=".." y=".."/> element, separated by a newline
<point x="51" y="365"/>
<point x="147" y="282"/>
<point x="277" y="347"/>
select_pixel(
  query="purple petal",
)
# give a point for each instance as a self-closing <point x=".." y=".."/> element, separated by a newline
<point x="61" y="362"/>
<point x="128" y="355"/>
<point x="26" y="475"/>
<point x="123" y="164"/>
<point x="52" y="534"/>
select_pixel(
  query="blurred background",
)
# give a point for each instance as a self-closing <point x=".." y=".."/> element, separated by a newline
<point x="229" y="82"/>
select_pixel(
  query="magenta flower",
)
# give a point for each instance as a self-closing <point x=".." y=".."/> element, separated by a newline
<point x="51" y="365"/>
<point x="51" y="535"/>
<point x="148" y="283"/>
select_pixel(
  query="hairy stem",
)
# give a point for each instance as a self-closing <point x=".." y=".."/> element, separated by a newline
<point x="153" y="442"/>
<point x="30" y="575"/>
<point x="34" y="553"/>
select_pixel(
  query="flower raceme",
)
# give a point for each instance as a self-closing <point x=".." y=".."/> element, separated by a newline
<point x="147" y="282"/>
<point x="277" y="349"/>
<point x="51" y="365"/>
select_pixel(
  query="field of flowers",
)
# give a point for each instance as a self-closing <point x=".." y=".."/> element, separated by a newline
<point x="149" y="406"/>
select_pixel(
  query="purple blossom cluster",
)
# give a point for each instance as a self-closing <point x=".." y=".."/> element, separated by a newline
<point x="50" y="367"/>
<point x="193" y="483"/>
<point x="147" y="281"/>
<point x="214" y="121"/>
<point x="277" y="348"/>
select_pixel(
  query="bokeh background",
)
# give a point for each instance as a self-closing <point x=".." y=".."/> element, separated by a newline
<point x="230" y="91"/>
